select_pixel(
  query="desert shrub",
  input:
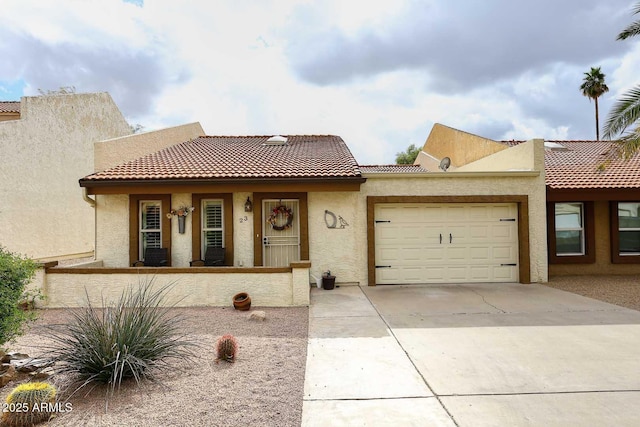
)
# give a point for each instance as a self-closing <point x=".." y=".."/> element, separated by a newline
<point x="226" y="348"/>
<point x="15" y="273"/>
<point x="135" y="337"/>
<point x="29" y="404"/>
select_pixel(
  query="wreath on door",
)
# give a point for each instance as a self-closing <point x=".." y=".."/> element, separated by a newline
<point x="281" y="218"/>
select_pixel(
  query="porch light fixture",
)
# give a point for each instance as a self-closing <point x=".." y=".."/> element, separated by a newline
<point x="248" y="206"/>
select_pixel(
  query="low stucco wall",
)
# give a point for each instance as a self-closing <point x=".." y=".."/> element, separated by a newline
<point x="280" y="288"/>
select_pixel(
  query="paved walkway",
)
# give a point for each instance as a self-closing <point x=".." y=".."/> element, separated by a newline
<point x="470" y="355"/>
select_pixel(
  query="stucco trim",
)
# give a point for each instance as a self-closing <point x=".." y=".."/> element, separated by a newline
<point x="522" y="202"/>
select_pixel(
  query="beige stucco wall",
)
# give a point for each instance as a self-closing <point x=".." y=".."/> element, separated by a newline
<point x="112" y="230"/>
<point x="242" y="231"/>
<point x="461" y="147"/>
<point x="43" y="155"/>
<point x="112" y="152"/>
<point x="339" y="250"/>
<point x="602" y="264"/>
<point x="518" y="158"/>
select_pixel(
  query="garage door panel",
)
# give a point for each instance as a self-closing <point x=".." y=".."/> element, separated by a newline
<point x="479" y="253"/>
<point x="505" y="274"/>
<point x="504" y="254"/>
<point x="480" y="273"/>
<point x="439" y="243"/>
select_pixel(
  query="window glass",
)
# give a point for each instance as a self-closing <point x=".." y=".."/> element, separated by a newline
<point x="150" y="225"/>
<point x="212" y="224"/>
<point x="629" y="228"/>
<point x="569" y="218"/>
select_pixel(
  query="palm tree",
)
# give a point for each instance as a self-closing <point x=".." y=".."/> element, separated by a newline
<point x="626" y="111"/>
<point x="593" y="86"/>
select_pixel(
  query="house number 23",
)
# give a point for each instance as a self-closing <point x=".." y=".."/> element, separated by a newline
<point x="243" y="219"/>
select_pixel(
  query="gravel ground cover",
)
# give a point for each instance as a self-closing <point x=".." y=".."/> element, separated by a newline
<point x="264" y="387"/>
<point x="619" y="290"/>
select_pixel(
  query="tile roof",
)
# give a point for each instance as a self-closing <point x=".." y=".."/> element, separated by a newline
<point x="9" y="106"/>
<point x="240" y="157"/>
<point x="590" y="164"/>
<point x="392" y="169"/>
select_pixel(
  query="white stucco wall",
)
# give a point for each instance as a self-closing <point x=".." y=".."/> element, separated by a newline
<point x="112" y="230"/>
<point x="339" y="250"/>
<point x="242" y="231"/>
<point x="44" y="154"/>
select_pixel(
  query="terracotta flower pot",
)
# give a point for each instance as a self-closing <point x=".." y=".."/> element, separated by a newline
<point x="242" y="301"/>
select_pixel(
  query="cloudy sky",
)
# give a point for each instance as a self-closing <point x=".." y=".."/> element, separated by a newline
<point x="377" y="73"/>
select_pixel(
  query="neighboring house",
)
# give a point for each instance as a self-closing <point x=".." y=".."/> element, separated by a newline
<point x="9" y="110"/>
<point x="593" y="209"/>
<point x="46" y="143"/>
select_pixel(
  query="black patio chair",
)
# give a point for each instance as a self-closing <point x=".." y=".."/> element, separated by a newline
<point x="212" y="257"/>
<point x="153" y="257"/>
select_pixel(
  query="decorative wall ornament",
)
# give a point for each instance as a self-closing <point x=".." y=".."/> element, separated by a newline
<point x="181" y="213"/>
<point x="332" y="222"/>
<point x="276" y="213"/>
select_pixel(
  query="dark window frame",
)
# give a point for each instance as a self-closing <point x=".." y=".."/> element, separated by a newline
<point x="196" y="237"/>
<point x="589" y="256"/>
<point x="134" y="225"/>
<point x="616" y="258"/>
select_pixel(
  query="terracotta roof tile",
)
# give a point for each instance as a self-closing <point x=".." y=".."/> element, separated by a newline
<point x="392" y="169"/>
<point x="587" y="164"/>
<point x="590" y="164"/>
<point x="246" y="157"/>
<point x="9" y="106"/>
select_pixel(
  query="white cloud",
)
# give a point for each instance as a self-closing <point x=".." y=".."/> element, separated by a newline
<point x="229" y="65"/>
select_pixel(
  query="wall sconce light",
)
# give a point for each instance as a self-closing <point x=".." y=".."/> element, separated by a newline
<point x="248" y="206"/>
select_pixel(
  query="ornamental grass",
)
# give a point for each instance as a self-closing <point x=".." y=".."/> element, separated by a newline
<point x="135" y="337"/>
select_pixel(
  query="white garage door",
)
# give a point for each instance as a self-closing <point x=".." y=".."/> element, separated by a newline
<point x="446" y="243"/>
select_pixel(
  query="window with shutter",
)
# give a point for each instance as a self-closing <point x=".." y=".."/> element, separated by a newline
<point x="212" y="224"/>
<point x="150" y="225"/>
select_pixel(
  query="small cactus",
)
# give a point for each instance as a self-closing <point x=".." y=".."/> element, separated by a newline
<point x="29" y="404"/>
<point x="227" y="347"/>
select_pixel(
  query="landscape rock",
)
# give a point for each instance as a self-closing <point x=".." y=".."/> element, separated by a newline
<point x="258" y="316"/>
<point x="7" y="373"/>
<point x="30" y="365"/>
<point x="13" y="355"/>
<point x="42" y="374"/>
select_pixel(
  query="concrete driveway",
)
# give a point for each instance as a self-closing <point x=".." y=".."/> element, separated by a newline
<point x="470" y="355"/>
